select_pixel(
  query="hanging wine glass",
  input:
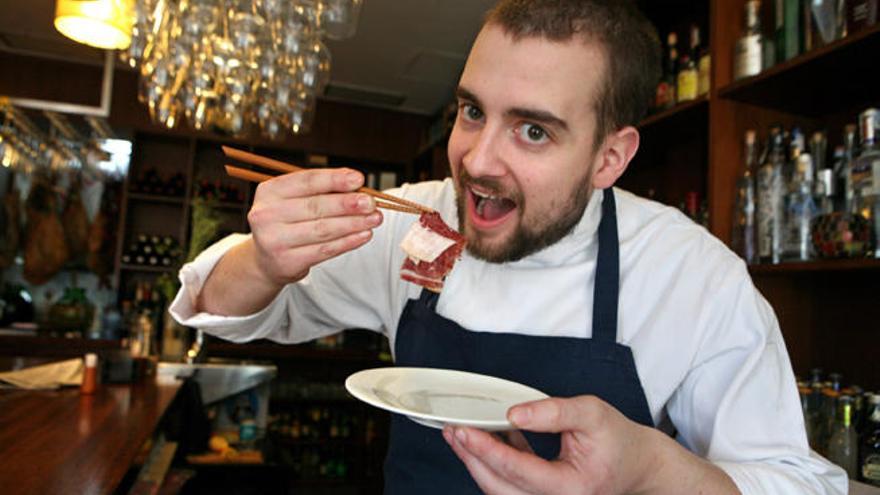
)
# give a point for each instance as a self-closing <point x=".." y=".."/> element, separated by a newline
<point x="314" y="67"/>
<point x="301" y="113"/>
<point x="339" y="18"/>
<point x="234" y="63"/>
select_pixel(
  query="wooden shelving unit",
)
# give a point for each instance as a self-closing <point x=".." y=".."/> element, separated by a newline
<point x="270" y="350"/>
<point x="826" y="308"/>
<point x="817" y="266"/>
<point x="200" y="159"/>
<point x="689" y="110"/>
<point x="145" y="268"/>
<point x="822" y="81"/>
<point x="156" y="198"/>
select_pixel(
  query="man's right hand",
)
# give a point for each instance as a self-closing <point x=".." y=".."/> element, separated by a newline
<point x="298" y="220"/>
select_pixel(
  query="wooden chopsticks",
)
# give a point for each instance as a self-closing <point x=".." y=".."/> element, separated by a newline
<point x="383" y="200"/>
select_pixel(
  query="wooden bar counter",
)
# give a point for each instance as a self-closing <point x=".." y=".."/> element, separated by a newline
<point x="61" y="442"/>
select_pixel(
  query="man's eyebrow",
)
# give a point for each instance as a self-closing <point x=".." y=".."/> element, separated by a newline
<point x="463" y="94"/>
<point x="540" y="116"/>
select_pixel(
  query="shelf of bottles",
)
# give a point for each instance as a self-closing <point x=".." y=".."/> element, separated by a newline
<point x="295" y="391"/>
<point x="223" y="194"/>
<point x="826" y="42"/>
<point x="794" y="205"/>
<point x="151" y="185"/>
<point x="686" y="76"/>
<point x="152" y="253"/>
<point x="843" y="424"/>
<point x="321" y="442"/>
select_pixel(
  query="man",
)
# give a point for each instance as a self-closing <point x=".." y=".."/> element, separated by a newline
<point x="547" y="103"/>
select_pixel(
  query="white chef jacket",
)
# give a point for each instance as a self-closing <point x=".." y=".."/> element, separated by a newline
<point x="706" y="344"/>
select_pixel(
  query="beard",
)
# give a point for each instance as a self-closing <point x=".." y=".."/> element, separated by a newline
<point x="545" y="229"/>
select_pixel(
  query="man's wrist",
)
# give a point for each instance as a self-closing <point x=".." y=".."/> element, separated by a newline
<point x="238" y="270"/>
<point x="249" y="254"/>
<point x="669" y="468"/>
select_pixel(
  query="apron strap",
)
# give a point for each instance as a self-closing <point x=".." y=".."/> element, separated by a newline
<point x="429" y="298"/>
<point x="607" y="284"/>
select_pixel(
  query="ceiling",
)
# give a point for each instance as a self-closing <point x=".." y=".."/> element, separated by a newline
<point x="407" y="54"/>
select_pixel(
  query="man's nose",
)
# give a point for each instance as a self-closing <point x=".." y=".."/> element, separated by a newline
<point x="484" y="158"/>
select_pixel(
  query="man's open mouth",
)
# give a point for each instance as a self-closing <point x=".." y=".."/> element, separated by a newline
<point x="489" y="208"/>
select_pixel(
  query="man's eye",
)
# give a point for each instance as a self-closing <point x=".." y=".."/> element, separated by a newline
<point x="471" y="112"/>
<point x="532" y="133"/>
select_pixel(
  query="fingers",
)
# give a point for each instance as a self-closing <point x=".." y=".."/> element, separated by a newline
<point x="304" y="218"/>
<point x="291" y="210"/>
<point x="489" y="481"/>
<point x="275" y="236"/>
<point x="557" y="415"/>
<point x="310" y="183"/>
<point x="313" y="254"/>
<point x="300" y="245"/>
<point x="516" y="439"/>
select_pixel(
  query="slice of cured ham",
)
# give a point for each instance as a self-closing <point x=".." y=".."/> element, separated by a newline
<point x="432" y="248"/>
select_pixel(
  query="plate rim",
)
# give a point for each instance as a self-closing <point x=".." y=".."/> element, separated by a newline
<point x="495" y="424"/>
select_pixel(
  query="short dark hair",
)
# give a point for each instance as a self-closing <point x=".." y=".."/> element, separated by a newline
<point x="630" y="42"/>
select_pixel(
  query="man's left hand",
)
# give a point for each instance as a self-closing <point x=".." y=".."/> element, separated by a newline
<point x="602" y="452"/>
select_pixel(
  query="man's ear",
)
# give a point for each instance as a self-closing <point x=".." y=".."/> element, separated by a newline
<point x="614" y="156"/>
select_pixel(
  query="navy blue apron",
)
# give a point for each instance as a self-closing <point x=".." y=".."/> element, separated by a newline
<point x="420" y="462"/>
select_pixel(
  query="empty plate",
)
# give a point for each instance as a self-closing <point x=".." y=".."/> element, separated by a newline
<point x="436" y="397"/>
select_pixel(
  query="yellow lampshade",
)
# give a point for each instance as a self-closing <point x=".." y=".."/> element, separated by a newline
<point x="103" y="24"/>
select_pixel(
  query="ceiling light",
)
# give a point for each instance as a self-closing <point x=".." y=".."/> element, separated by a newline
<point x="103" y="24"/>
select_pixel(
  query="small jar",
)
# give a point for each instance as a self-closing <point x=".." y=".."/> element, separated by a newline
<point x="90" y="375"/>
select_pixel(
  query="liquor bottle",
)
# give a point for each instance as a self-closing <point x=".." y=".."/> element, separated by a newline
<point x="840" y="177"/>
<point x="849" y="147"/>
<point x="836" y="381"/>
<point x="869" y="451"/>
<point x="779" y="29"/>
<point x="688" y="80"/>
<point x="801" y="210"/>
<point x="825" y="191"/>
<point x="796" y="146"/>
<point x="824" y="187"/>
<point x="702" y="56"/>
<point x="665" y="97"/>
<point x="819" y="149"/>
<point x="691" y="205"/>
<point x="808" y="411"/>
<point x="788" y="29"/>
<point x="866" y="173"/>
<point x="860" y="14"/>
<point x="843" y="444"/>
<point x="748" y="59"/>
<point x="744" y="220"/>
<point x="771" y="194"/>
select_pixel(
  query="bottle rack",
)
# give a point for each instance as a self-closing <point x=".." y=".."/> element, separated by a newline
<point x="825" y="308"/>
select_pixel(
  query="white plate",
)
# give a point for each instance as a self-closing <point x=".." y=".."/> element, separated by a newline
<point x="436" y="397"/>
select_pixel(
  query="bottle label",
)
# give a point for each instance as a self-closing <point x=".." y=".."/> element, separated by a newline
<point x="871" y="468"/>
<point x="704" y="77"/>
<point x="866" y="176"/>
<point x="875" y="176"/>
<point x="801" y="212"/>
<point x="769" y="192"/>
<point x="748" y="56"/>
<point x="687" y="85"/>
<point x="665" y="95"/>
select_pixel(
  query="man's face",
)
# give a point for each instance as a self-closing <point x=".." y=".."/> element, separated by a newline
<point x="521" y="151"/>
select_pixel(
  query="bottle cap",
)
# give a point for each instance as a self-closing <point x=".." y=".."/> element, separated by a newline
<point x="91" y="360"/>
